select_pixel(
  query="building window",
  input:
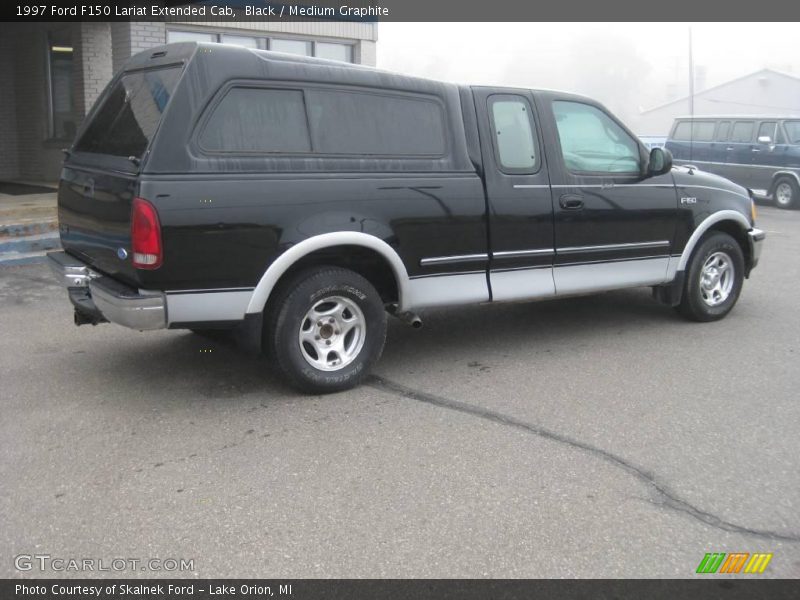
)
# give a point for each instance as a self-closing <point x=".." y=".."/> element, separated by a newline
<point x="191" y="36"/>
<point x="62" y="123"/>
<point x="328" y="50"/>
<point x="342" y="52"/>
<point x="299" y="47"/>
<point x="240" y="40"/>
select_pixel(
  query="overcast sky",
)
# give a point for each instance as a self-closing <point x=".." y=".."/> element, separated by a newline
<point x="628" y="66"/>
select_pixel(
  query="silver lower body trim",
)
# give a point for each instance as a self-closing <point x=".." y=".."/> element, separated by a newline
<point x="599" y="277"/>
<point x="208" y="306"/>
<point x="447" y="290"/>
<point x="522" y="284"/>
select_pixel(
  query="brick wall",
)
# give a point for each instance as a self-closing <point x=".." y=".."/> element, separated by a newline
<point x="130" y="38"/>
<point x="93" y="56"/>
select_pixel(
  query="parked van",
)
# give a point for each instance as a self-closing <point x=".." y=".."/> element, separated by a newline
<point x="759" y="153"/>
<point x="298" y="200"/>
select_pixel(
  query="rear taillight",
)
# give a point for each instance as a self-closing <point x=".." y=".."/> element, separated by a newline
<point x="145" y="235"/>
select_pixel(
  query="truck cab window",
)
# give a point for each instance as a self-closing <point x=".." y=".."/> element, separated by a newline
<point x="592" y="142"/>
<point x="513" y="134"/>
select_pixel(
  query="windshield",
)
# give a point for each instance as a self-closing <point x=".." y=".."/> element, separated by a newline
<point x="130" y="114"/>
<point x="793" y="131"/>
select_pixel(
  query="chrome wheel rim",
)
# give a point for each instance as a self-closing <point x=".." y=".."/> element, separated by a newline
<point x="783" y="194"/>
<point x="716" y="279"/>
<point x="332" y="333"/>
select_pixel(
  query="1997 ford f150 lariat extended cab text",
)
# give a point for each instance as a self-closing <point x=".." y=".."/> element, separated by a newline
<point x="213" y="186"/>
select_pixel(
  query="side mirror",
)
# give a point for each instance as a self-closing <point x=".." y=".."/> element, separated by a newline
<point x="764" y="139"/>
<point x="660" y="161"/>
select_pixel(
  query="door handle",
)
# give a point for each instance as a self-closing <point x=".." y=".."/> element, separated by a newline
<point x="755" y="150"/>
<point x="730" y="148"/>
<point x="571" y="202"/>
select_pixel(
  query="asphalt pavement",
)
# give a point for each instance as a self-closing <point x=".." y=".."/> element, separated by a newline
<point x="601" y="436"/>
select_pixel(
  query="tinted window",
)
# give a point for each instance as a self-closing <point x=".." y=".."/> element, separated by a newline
<point x="793" y="131"/>
<point x="697" y="131"/>
<point x="742" y="131"/>
<point x="591" y="141"/>
<point x="362" y="123"/>
<point x="723" y="130"/>
<point x="258" y="120"/>
<point x="513" y="131"/>
<point x="767" y="129"/>
<point x="125" y="123"/>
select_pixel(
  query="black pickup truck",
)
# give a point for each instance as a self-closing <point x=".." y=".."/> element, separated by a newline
<point x="298" y="200"/>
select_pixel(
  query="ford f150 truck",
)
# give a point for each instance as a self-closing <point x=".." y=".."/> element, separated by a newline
<point x="299" y="200"/>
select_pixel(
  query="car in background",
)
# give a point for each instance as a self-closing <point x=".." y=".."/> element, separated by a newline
<point x="759" y="153"/>
<point x="653" y="141"/>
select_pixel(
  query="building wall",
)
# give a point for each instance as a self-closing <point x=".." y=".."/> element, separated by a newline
<point x="93" y="59"/>
<point x="33" y="152"/>
<point x="8" y="110"/>
<point x="769" y="93"/>
<point x="131" y="38"/>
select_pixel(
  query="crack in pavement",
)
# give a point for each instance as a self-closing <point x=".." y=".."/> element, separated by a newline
<point x="668" y="498"/>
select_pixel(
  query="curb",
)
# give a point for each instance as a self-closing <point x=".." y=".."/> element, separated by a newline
<point x="29" y="249"/>
<point x="25" y="229"/>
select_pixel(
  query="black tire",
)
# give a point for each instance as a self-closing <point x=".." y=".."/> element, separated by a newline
<point x="288" y="312"/>
<point x="695" y="301"/>
<point x="786" y="193"/>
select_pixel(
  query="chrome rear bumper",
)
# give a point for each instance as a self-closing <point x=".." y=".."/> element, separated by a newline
<point x="92" y="292"/>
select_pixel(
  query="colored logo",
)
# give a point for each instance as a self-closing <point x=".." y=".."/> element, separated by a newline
<point x="735" y="562"/>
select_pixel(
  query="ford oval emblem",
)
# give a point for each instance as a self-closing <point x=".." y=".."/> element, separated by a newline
<point x="122" y="253"/>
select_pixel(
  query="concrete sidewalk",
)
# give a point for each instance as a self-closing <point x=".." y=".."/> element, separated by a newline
<point x="28" y="227"/>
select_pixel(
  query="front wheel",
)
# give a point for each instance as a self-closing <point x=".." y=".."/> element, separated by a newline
<point x="714" y="279"/>
<point x="786" y="193"/>
<point x="327" y="328"/>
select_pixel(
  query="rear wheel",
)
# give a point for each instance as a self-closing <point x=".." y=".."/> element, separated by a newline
<point x="714" y="279"/>
<point x="326" y="329"/>
<point x="786" y="193"/>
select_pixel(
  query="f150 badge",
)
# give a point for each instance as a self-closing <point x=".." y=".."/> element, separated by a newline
<point x="688" y="200"/>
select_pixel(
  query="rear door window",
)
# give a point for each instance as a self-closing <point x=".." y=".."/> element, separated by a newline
<point x="742" y="132"/>
<point x="127" y="120"/>
<point x="515" y="141"/>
